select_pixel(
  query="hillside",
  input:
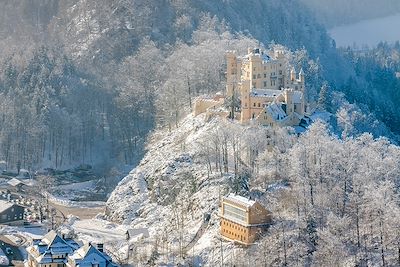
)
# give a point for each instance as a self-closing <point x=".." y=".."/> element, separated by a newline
<point x="170" y="190"/>
<point x="305" y="182"/>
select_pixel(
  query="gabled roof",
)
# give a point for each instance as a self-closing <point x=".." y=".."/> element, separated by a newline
<point x="15" y="182"/>
<point x="5" y="205"/>
<point x="89" y="254"/>
<point x="275" y="111"/>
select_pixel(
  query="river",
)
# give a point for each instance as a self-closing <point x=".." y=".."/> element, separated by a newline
<point x="368" y="32"/>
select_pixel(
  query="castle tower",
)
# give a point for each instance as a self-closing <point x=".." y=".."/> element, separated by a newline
<point x="245" y="101"/>
<point x="289" y="101"/>
<point x="232" y="73"/>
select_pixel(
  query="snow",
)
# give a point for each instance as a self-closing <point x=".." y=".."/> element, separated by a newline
<point x="265" y="92"/>
<point x="171" y="162"/>
<point x="5" y="205"/>
<point x="3" y="258"/>
<point x="276" y="111"/>
<point x="240" y="200"/>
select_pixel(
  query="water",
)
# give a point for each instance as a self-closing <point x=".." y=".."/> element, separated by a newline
<point x="368" y="32"/>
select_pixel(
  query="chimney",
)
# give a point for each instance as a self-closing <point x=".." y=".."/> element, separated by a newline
<point x="100" y="247"/>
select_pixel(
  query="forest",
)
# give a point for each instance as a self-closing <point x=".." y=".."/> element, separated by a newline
<point x="87" y="81"/>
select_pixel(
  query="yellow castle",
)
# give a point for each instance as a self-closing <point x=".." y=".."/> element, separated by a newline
<point x="269" y="93"/>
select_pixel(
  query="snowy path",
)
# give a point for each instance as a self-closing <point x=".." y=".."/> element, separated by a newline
<point x="197" y="236"/>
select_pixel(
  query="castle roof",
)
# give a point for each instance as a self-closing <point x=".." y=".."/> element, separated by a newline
<point x="276" y="111"/>
<point x="265" y="92"/>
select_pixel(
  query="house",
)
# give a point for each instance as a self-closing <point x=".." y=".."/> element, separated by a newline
<point x="90" y="256"/>
<point x="242" y="220"/>
<point x="50" y="251"/>
<point x="16" y="183"/>
<point x="11" y="213"/>
<point x="54" y="250"/>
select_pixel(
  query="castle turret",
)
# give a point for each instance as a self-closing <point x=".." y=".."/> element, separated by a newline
<point x="301" y="76"/>
<point x="293" y="75"/>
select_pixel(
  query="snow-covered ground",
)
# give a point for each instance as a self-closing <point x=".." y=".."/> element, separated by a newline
<point x="3" y="258"/>
<point x="169" y="193"/>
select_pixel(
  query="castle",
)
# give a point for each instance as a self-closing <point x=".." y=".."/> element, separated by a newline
<point x="269" y="93"/>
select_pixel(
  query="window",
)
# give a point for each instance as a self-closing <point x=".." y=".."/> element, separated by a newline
<point x="265" y="75"/>
<point x="258" y="76"/>
<point x="254" y="104"/>
<point x="259" y="104"/>
<point x="280" y="72"/>
<point x="254" y="69"/>
<point x="265" y="84"/>
<point x="254" y="76"/>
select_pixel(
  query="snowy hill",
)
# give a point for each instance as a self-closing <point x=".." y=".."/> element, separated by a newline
<point x="171" y="190"/>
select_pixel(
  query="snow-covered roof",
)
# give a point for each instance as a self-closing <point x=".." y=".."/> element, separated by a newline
<point x="4" y="205"/>
<point x="265" y="92"/>
<point x="15" y="182"/>
<point x="275" y="111"/>
<point x="240" y="200"/>
<point x="89" y="254"/>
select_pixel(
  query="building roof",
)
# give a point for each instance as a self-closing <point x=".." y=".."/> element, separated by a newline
<point x="240" y="200"/>
<point x="265" y="92"/>
<point x="4" y="205"/>
<point x="275" y="111"/>
<point x="89" y="254"/>
<point x="15" y="182"/>
<point x="52" y="244"/>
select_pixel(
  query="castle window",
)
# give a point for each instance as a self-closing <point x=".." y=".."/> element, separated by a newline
<point x="265" y="84"/>
<point x="254" y="76"/>
<point x="259" y="105"/>
<point x="280" y="72"/>
<point x="254" y="104"/>
<point x="265" y="75"/>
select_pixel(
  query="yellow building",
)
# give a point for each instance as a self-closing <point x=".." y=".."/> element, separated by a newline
<point x="242" y="220"/>
<point x="268" y="92"/>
